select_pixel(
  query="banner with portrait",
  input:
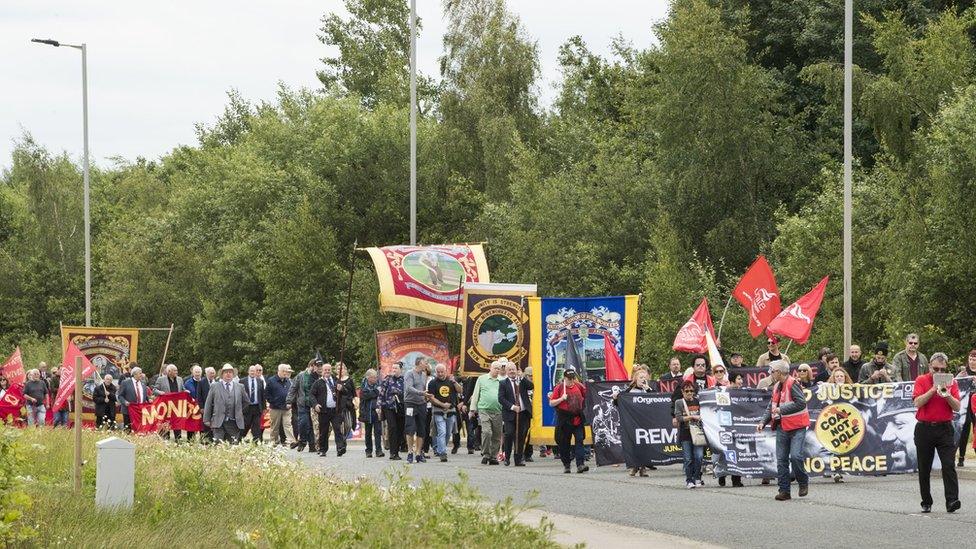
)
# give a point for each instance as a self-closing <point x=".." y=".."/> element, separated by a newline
<point x="495" y="324"/>
<point x="426" y="280"/>
<point x="854" y="429"/>
<point x="406" y="346"/>
<point x="110" y="350"/>
<point x="604" y="420"/>
<point x="584" y="319"/>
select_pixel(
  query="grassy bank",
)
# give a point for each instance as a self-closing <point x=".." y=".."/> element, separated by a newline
<point x="195" y="496"/>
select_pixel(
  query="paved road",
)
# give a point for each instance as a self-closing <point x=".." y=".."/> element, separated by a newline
<point x="864" y="511"/>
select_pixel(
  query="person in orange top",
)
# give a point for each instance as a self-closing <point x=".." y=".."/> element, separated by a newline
<point x="935" y="405"/>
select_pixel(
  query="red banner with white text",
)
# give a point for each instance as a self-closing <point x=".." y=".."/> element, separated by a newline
<point x="170" y="412"/>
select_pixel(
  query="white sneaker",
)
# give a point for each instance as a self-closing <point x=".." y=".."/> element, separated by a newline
<point x="691" y="485"/>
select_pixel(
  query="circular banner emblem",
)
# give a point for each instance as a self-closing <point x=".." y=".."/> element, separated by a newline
<point x="840" y="428"/>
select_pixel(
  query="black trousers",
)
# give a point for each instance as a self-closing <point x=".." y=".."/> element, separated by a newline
<point x="105" y="415"/>
<point x="252" y="422"/>
<point x="511" y="436"/>
<point x="394" y="430"/>
<point x="473" y="432"/>
<point x="929" y="439"/>
<point x="331" y="417"/>
<point x="967" y="428"/>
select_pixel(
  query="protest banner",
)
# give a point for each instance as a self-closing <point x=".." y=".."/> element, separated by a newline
<point x="585" y="320"/>
<point x="854" y="429"/>
<point x="406" y="346"/>
<point x="647" y="435"/>
<point x="11" y="403"/>
<point x="169" y="411"/>
<point x="494" y="325"/>
<point x="426" y="280"/>
<point x="13" y="368"/>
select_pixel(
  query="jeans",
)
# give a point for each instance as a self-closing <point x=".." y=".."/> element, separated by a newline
<point x="60" y="417"/>
<point x="305" y="425"/>
<point x="445" y="427"/>
<point x="929" y="439"/>
<point x="36" y="414"/>
<point x="693" y="457"/>
<point x="789" y="452"/>
<point x="373" y="435"/>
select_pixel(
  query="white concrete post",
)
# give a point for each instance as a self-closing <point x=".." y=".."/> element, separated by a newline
<point x="115" y="475"/>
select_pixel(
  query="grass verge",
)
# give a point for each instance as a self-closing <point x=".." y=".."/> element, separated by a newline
<point x="204" y="496"/>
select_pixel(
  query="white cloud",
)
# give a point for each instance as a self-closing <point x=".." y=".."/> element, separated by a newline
<point x="157" y="69"/>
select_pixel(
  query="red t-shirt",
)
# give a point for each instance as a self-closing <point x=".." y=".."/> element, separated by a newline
<point x="574" y="403"/>
<point x="936" y="409"/>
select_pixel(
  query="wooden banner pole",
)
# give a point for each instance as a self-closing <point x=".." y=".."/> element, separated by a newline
<point x="77" y="398"/>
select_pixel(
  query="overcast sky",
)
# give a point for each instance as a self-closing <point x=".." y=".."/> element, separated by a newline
<point x="156" y="69"/>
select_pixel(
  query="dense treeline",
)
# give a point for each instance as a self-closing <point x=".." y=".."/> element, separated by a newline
<point x="662" y="171"/>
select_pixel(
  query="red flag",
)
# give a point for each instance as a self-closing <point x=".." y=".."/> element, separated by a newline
<point x="796" y="321"/>
<point x="11" y="403"/>
<point x="615" y="366"/>
<point x="13" y="368"/>
<point x="67" y="387"/>
<point x="757" y="293"/>
<point x="691" y="336"/>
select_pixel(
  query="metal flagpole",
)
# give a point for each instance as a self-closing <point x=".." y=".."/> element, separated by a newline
<point x="413" y="130"/>
<point x="848" y="120"/>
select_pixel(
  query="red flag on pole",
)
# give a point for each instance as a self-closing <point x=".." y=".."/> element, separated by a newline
<point x="691" y="336"/>
<point x="758" y="295"/>
<point x="67" y="387"/>
<point x="615" y="366"/>
<point x="796" y="321"/>
<point x="13" y="368"/>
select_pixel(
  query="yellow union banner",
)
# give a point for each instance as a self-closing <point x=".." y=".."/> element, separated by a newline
<point x="110" y="350"/>
<point x="426" y="281"/>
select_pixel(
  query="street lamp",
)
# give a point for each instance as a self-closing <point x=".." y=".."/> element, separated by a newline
<point x="413" y="129"/>
<point x="848" y="156"/>
<point x="84" y="99"/>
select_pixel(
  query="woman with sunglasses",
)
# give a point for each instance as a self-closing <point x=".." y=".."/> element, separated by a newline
<point x="640" y="383"/>
<point x="804" y="374"/>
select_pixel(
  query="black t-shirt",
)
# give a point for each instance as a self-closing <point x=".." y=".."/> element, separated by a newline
<point x="684" y="433"/>
<point x="444" y="391"/>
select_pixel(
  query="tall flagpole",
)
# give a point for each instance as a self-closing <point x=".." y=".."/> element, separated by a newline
<point x="848" y="116"/>
<point x="413" y="129"/>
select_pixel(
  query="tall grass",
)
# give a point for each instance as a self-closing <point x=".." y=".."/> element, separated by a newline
<point x="204" y="496"/>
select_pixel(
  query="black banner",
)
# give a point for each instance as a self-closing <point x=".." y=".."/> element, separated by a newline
<point x="646" y="432"/>
<point x="604" y="420"/>
<point x="854" y="429"/>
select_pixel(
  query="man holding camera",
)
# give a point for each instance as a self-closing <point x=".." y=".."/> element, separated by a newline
<point x="936" y="397"/>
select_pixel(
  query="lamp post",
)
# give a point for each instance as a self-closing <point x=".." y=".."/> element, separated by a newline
<point x="848" y="116"/>
<point x="84" y="100"/>
<point x="413" y="129"/>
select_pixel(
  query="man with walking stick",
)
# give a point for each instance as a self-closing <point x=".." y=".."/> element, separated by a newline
<point x="513" y="395"/>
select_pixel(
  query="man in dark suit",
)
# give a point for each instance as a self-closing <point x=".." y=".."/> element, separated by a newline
<point x="513" y="395"/>
<point x="133" y="390"/>
<point x="256" y="403"/>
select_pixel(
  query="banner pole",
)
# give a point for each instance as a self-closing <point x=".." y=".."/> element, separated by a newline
<point x="166" y="349"/>
<point x="787" y="351"/>
<point x="345" y="323"/>
<point x="77" y="461"/>
<point x="721" y="322"/>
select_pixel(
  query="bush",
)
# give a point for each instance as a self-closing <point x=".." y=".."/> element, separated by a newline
<point x="13" y="500"/>
<point x="205" y="496"/>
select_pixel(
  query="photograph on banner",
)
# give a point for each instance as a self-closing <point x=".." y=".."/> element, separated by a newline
<point x="854" y="429"/>
<point x="407" y="345"/>
<point x="426" y="281"/>
<point x="646" y="433"/>
<point x="495" y="324"/>
<point x="584" y="320"/>
<point x="604" y="420"/>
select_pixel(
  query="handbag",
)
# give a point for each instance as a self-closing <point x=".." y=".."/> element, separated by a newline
<point x="697" y="433"/>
